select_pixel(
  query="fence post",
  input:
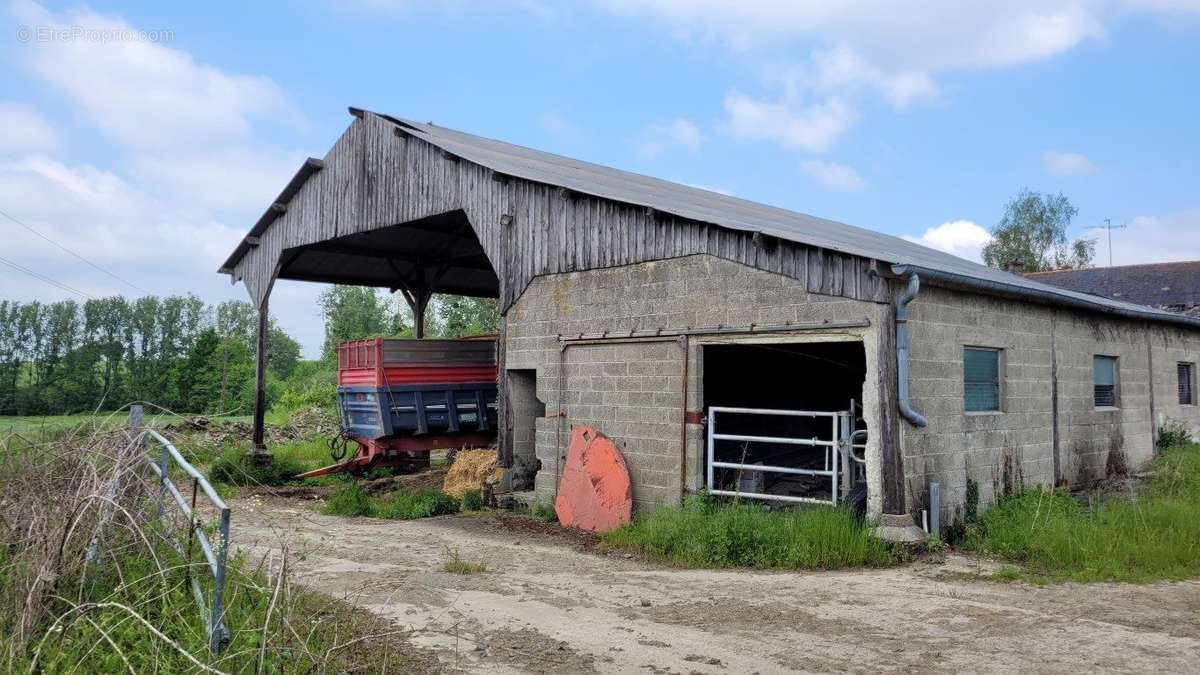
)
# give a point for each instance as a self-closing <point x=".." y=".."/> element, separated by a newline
<point x="218" y="633"/>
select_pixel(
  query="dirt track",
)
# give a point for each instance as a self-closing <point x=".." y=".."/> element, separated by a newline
<point x="545" y="605"/>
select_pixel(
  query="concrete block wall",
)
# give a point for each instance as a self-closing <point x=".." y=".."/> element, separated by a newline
<point x="633" y="392"/>
<point x="1169" y="348"/>
<point x="958" y="445"/>
<point x="1041" y="345"/>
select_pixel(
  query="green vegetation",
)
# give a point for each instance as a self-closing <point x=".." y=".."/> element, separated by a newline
<point x="131" y="609"/>
<point x="179" y="353"/>
<point x="352" y="500"/>
<point x="456" y="564"/>
<point x="543" y="511"/>
<point x="239" y="468"/>
<point x="708" y="533"/>
<point x="88" y="422"/>
<point x="70" y="357"/>
<point x="472" y="500"/>
<point x="1033" y="233"/>
<point x="1173" y="434"/>
<point x="1056" y="537"/>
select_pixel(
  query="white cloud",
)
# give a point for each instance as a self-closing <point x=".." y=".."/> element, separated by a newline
<point x="114" y="224"/>
<point x="832" y="175"/>
<point x="1153" y="238"/>
<point x="679" y="132"/>
<point x="925" y="36"/>
<point x="24" y="130"/>
<point x="183" y="123"/>
<point x="1066" y="163"/>
<point x="144" y="93"/>
<point x="830" y="53"/>
<point x="962" y="238"/>
<point x="192" y="176"/>
<point x="812" y="128"/>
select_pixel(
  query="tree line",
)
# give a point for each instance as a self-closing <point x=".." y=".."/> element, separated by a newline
<point x="185" y="355"/>
<point x="176" y="351"/>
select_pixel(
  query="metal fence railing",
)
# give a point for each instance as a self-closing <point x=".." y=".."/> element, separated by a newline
<point x="842" y="466"/>
<point x="215" y="553"/>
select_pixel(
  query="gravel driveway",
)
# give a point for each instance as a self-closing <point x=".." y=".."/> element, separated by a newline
<point x="549" y="604"/>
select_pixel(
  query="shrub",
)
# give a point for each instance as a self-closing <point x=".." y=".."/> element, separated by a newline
<point x="544" y="512"/>
<point x="1173" y="434"/>
<point x="704" y="533"/>
<point x="412" y="504"/>
<point x="131" y="608"/>
<point x="239" y="468"/>
<point x="351" y="500"/>
<point x="472" y="500"/>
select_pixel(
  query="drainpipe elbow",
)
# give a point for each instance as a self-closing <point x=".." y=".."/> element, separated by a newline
<point x="906" y="410"/>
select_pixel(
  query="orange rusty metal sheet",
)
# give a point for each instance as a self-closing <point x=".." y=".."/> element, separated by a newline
<point x="595" y="493"/>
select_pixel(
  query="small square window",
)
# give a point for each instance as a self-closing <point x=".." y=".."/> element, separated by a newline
<point x="1104" y="381"/>
<point x="1187" y="384"/>
<point x="981" y="379"/>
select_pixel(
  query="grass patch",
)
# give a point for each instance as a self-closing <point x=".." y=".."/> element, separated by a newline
<point x="90" y="422"/>
<point x="351" y="500"/>
<point x="472" y="500"/>
<point x="131" y="609"/>
<point x="1055" y="537"/>
<point x="543" y="511"/>
<point x="456" y="564"/>
<point x="239" y="468"/>
<point x="707" y="533"/>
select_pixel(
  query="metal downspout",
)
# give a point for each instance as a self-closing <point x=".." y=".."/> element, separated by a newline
<point x="906" y="411"/>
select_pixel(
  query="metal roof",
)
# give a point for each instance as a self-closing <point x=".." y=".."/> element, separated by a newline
<point x="726" y="211"/>
<point x="740" y="214"/>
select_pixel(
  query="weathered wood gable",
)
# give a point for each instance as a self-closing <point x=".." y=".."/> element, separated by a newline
<point x="377" y="175"/>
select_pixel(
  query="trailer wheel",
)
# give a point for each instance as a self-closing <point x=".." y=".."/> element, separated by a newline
<point x="856" y="500"/>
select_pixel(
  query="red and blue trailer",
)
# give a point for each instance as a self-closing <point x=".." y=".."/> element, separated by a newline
<point x="401" y="398"/>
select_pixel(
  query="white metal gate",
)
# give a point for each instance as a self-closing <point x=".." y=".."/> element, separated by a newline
<point x="842" y="465"/>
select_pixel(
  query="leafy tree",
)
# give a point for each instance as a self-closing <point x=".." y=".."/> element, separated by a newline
<point x="1033" y="235"/>
<point x="351" y="313"/>
<point x="459" y="315"/>
<point x="66" y="357"/>
<point x="283" y="352"/>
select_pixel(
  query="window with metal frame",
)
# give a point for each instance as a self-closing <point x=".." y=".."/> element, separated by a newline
<point x="1187" y="383"/>
<point x="1104" y="381"/>
<point x="981" y="379"/>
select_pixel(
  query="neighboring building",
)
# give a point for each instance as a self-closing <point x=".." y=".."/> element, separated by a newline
<point x="638" y="306"/>
<point x="1173" y="286"/>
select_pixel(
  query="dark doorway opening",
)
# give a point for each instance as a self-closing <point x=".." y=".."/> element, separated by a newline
<point x="817" y="377"/>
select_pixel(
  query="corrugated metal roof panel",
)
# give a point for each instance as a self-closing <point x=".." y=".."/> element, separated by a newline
<point x="726" y="211"/>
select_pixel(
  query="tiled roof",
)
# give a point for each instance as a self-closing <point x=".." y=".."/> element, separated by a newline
<point x="1174" y="285"/>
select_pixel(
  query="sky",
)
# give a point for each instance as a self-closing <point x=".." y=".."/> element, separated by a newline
<point x="147" y="138"/>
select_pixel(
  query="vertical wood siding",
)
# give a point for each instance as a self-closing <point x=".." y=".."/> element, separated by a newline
<point x="376" y="176"/>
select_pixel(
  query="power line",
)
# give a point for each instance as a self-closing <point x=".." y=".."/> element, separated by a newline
<point x="46" y="279"/>
<point x="89" y="262"/>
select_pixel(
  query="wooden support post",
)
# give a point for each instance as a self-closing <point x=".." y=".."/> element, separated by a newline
<point x="422" y="303"/>
<point x="892" y="461"/>
<point x="259" y="451"/>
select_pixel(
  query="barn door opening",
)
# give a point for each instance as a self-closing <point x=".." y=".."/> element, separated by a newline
<point x="784" y="421"/>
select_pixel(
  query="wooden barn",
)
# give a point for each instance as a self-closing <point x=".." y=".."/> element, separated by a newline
<point x="724" y="344"/>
